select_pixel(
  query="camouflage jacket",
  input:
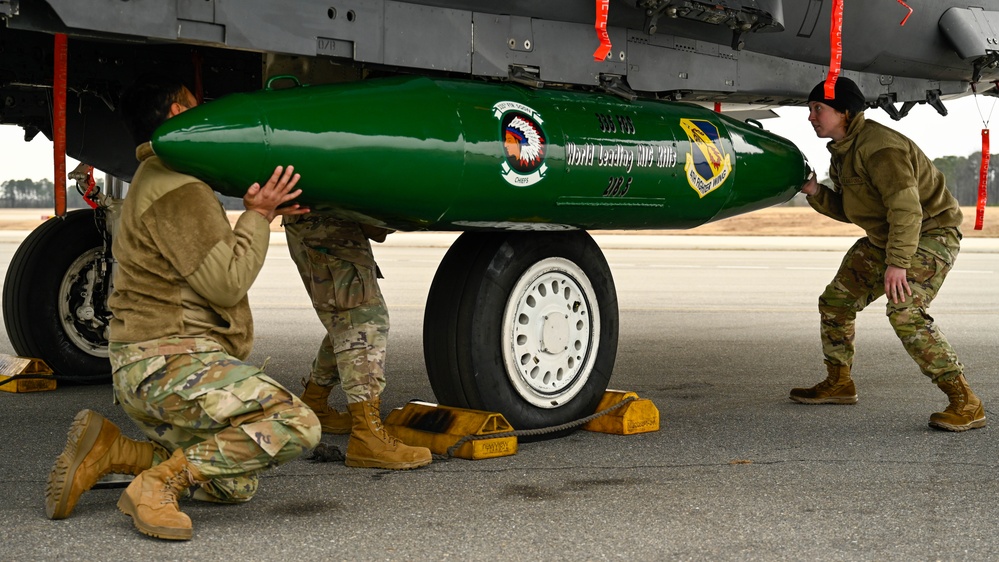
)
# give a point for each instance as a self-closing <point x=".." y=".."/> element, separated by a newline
<point x="887" y="186"/>
<point x="182" y="270"/>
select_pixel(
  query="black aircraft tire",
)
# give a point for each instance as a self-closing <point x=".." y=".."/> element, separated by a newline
<point x="31" y="295"/>
<point x="441" y="316"/>
<point x="503" y="280"/>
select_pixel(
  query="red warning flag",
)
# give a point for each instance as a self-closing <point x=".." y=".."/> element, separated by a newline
<point x="835" y="48"/>
<point x="601" y="26"/>
<point x="983" y="181"/>
<point x="906" y="18"/>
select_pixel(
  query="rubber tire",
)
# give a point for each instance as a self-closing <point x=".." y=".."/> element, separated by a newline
<point x="440" y="323"/>
<point x="464" y="315"/>
<point x="31" y="297"/>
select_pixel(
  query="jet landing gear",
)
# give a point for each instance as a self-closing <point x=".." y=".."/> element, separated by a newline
<point x="522" y="323"/>
<point x="55" y="297"/>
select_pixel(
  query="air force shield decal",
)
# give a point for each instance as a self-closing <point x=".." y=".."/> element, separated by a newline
<point x="707" y="166"/>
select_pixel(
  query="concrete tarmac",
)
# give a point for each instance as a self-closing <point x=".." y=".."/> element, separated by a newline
<point x="714" y="331"/>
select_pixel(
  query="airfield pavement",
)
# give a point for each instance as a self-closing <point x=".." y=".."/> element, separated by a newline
<point x="714" y="330"/>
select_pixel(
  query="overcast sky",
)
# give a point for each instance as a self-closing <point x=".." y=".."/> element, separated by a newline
<point x="958" y="134"/>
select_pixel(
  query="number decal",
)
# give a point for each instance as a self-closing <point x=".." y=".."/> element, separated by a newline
<point x="627" y="125"/>
<point x="613" y="123"/>
<point x="618" y="186"/>
<point x="606" y="123"/>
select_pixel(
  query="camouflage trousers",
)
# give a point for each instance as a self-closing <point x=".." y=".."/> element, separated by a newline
<point x="335" y="262"/>
<point x="230" y="418"/>
<point x="860" y="281"/>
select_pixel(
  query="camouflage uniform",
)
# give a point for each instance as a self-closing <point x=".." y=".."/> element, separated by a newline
<point x="334" y="258"/>
<point x="860" y="281"/>
<point x="886" y="185"/>
<point x="230" y="418"/>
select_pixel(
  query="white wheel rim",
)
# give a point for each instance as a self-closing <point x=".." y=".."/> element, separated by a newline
<point x="73" y="318"/>
<point x="551" y="332"/>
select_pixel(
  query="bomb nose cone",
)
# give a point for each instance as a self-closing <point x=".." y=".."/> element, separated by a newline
<point x="205" y="141"/>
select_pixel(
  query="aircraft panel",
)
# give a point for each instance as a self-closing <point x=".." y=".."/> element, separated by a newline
<point x="428" y="37"/>
<point x="971" y="30"/>
<point x="561" y="50"/>
<point x="196" y="10"/>
<point x="304" y="27"/>
<point x="142" y="18"/>
<point x="666" y="63"/>
<point x="200" y="31"/>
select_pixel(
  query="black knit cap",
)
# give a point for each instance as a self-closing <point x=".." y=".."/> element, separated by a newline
<point x="848" y="96"/>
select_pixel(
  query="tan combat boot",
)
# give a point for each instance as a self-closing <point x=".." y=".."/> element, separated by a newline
<point x="151" y="499"/>
<point x="838" y="388"/>
<point x="331" y="421"/>
<point x="95" y="447"/>
<point x="370" y="446"/>
<point x="965" y="410"/>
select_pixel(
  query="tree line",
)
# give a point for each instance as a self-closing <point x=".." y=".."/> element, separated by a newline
<point x="30" y="194"/>
<point x="962" y="177"/>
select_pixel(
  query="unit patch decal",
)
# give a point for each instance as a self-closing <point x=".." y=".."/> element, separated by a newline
<point x="524" y="143"/>
<point x="707" y="166"/>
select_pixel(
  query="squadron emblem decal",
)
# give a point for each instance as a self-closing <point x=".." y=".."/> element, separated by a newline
<point x="524" y="143"/>
<point x="707" y="165"/>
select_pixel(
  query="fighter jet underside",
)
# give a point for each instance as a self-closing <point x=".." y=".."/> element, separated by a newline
<point x="746" y="54"/>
